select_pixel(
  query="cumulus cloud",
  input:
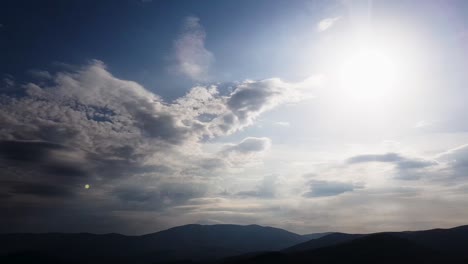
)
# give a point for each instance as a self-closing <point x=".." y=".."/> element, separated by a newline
<point x="192" y="58"/>
<point x="85" y="126"/>
<point x="251" y="98"/>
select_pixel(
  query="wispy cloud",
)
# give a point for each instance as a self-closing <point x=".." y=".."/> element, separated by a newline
<point x="282" y="123"/>
<point x="327" y="23"/>
<point x="408" y="168"/>
<point x="424" y="124"/>
<point x="192" y="58"/>
<point x="319" y="188"/>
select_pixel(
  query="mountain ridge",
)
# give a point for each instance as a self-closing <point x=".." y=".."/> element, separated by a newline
<point x="230" y="244"/>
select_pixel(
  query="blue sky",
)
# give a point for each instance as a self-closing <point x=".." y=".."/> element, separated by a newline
<point x="135" y="39"/>
<point x="134" y="116"/>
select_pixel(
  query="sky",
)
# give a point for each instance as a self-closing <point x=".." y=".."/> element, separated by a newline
<point x="134" y="116"/>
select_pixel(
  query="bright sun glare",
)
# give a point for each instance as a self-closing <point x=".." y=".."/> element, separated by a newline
<point x="367" y="75"/>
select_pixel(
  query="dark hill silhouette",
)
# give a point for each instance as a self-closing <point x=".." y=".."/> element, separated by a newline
<point x="325" y="241"/>
<point x="429" y="246"/>
<point x="241" y="238"/>
<point x="316" y="235"/>
<point x="375" y="248"/>
<point x="451" y="241"/>
<point x="237" y="244"/>
<point x="196" y="242"/>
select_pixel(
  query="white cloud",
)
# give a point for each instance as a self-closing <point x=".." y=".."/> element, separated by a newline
<point x="424" y="124"/>
<point x="192" y="58"/>
<point x="326" y="23"/>
<point x="283" y="124"/>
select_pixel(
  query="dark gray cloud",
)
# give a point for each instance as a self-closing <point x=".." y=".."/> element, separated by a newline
<point x="319" y="188"/>
<point x="43" y="158"/>
<point x="27" y="151"/>
<point x="159" y="195"/>
<point x="41" y="189"/>
<point x="161" y="127"/>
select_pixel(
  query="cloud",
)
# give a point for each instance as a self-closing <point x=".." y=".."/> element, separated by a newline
<point x="41" y="75"/>
<point x="248" y="150"/>
<point x="192" y="58"/>
<point x="249" y="145"/>
<point x="319" y="188"/>
<point x="283" y="124"/>
<point x="43" y="190"/>
<point x="7" y="84"/>
<point x="85" y="126"/>
<point x="422" y="124"/>
<point x="400" y="161"/>
<point x="455" y="161"/>
<point x="252" y="98"/>
<point x="158" y="197"/>
<point x="407" y="168"/>
<point x="326" y="23"/>
<point x="267" y="188"/>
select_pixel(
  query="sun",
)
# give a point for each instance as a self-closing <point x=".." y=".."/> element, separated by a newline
<point x="367" y="75"/>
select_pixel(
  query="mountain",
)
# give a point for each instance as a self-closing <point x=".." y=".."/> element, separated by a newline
<point x="450" y="241"/>
<point x="376" y="248"/>
<point x="195" y="242"/>
<point x="241" y="238"/>
<point x="325" y="241"/>
<point x="234" y="244"/>
<point x="315" y="235"/>
<point x="429" y="246"/>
